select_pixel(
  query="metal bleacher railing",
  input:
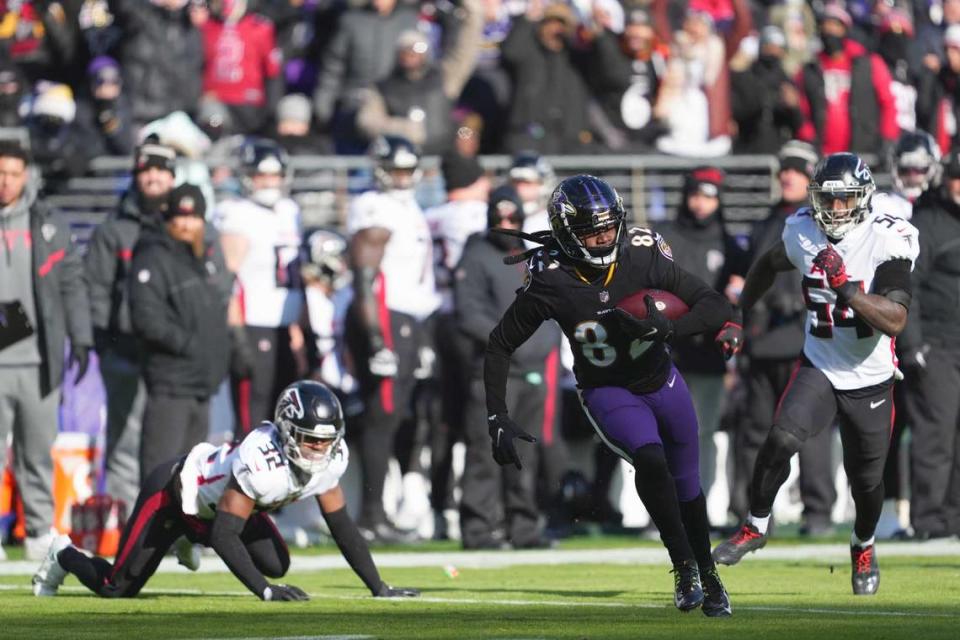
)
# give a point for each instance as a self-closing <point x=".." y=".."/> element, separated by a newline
<point x="650" y="185"/>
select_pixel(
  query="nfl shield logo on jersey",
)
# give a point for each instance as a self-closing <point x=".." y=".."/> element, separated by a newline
<point x="604" y="297"/>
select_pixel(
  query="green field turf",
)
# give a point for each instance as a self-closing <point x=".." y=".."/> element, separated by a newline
<point x="919" y="599"/>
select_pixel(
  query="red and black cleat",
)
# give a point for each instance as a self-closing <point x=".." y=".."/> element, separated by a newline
<point x="747" y="539"/>
<point x="865" y="570"/>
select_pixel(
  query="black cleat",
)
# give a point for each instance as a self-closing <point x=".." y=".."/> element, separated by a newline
<point x="716" y="602"/>
<point x="386" y="533"/>
<point x="744" y="541"/>
<point x="687" y="592"/>
<point x="866" y="570"/>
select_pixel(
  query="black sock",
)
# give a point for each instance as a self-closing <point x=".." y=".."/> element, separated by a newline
<point x="91" y="572"/>
<point x="697" y="525"/>
<point x="869" y="505"/>
<point x="771" y="470"/>
<point x="658" y="493"/>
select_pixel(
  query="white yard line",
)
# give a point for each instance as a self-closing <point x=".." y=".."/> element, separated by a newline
<point x="514" y="602"/>
<point x="500" y="559"/>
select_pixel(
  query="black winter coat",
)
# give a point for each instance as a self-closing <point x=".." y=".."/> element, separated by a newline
<point x="178" y="304"/>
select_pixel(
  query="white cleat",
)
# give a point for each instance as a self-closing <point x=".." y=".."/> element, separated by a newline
<point x="50" y="575"/>
<point x="188" y="554"/>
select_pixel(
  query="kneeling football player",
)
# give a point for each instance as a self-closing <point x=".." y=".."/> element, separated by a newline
<point x="220" y="497"/>
<point x="635" y="398"/>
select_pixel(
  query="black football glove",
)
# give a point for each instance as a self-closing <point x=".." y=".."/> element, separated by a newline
<point x="502" y="432"/>
<point x="284" y="593"/>
<point x="386" y="591"/>
<point x="730" y="339"/>
<point x="80" y="354"/>
<point x="656" y="327"/>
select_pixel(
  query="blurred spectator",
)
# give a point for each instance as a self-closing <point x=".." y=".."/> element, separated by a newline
<point x="293" y="131"/>
<point x="107" y="269"/>
<point x="468" y="134"/>
<point x="394" y="295"/>
<point x="766" y="104"/>
<point x="105" y="111"/>
<point x="303" y="28"/>
<point x="13" y="88"/>
<point x="44" y="302"/>
<point x="40" y="37"/>
<point x="261" y="240"/>
<point x="499" y="503"/>
<point x="533" y="178"/>
<point x="799" y="26"/>
<point x="693" y="101"/>
<point x="214" y="119"/>
<point x="242" y="62"/>
<point x="939" y="110"/>
<point x="548" y="110"/>
<point x="451" y="225"/>
<point x="416" y="100"/>
<point x="776" y="327"/>
<point x="358" y="55"/>
<point x="702" y="247"/>
<point x="161" y="54"/>
<point x="178" y="304"/>
<point x="894" y="36"/>
<point x="59" y="145"/>
<point x="931" y="33"/>
<point x="99" y="33"/>
<point x="626" y="77"/>
<point x="931" y="360"/>
<point x="488" y="91"/>
<point x="845" y="93"/>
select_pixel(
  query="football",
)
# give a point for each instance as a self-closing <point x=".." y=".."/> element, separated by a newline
<point x="668" y="304"/>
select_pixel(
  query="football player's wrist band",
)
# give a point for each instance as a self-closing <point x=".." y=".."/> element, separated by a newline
<point x="846" y="291"/>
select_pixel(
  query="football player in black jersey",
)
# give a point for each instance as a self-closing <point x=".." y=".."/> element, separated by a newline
<point x="633" y="395"/>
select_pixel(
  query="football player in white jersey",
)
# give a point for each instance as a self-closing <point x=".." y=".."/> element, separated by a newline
<point x="394" y="294"/>
<point x="261" y="241"/>
<point x="220" y="497"/>
<point x="915" y="167"/>
<point x="855" y="258"/>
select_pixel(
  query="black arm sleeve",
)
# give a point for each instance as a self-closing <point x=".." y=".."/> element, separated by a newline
<point x="521" y="320"/>
<point x="708" y="308"/>
<point x="225" y="540"/>
<point x="892" y="280"/>
<point x="354" y="548"/>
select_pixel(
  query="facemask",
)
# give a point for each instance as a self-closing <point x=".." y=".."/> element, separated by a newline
<point x="831" y="43"/>
<point x="267" y="197"/>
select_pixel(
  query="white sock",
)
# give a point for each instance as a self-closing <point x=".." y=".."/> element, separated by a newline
<point x="857" y="542"/>
<point x="760" y="524"/>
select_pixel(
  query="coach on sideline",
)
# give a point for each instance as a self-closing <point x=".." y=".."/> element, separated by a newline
<point x="42" y="300"/>
<point x="179" y="289"/>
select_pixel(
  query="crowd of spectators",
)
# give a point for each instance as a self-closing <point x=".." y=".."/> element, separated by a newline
<point x="692" y="78"/>
<point x="190" y="317"/>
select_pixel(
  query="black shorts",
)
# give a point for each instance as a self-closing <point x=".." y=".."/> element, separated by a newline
<point x="865" y="416"/>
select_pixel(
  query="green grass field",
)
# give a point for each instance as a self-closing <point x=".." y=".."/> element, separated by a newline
<point x="919" y="599"/>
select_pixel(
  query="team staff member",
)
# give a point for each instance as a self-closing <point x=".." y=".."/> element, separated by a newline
<point x="484" y="288"/>
<point x="107" y="268"/>
<point x="220" y="497"/>
<point x="43" y="300"/>
<point x="179" y="292"/>
<point x="931" y="356"/>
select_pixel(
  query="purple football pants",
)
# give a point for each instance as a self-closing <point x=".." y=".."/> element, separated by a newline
<point x="626" y="421"/>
